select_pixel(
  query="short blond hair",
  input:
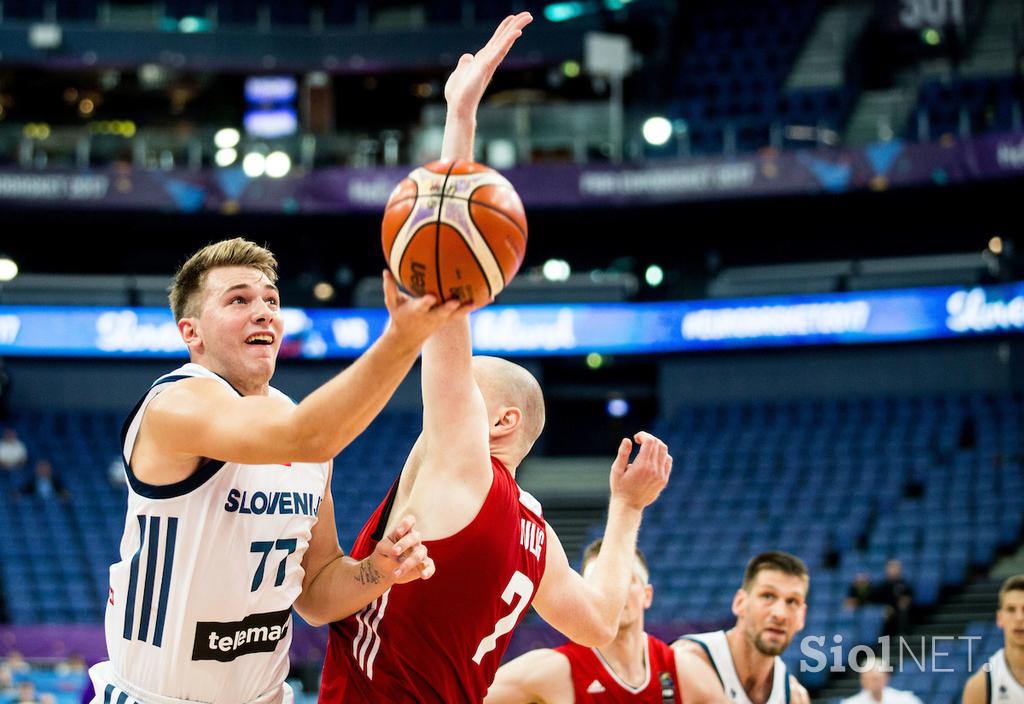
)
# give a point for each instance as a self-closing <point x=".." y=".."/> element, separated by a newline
<point x="191" y="277"/>
<point x="1013" y="584"/>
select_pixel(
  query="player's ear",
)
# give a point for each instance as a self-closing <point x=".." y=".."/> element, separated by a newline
<point x="188" y="327"/>
<point x="648" y="595"/>
<point x="738" y="602"/>
<point x="508" y="421"/>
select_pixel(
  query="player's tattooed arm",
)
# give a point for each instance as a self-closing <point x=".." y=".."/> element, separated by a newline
<point x="368" y="574"/>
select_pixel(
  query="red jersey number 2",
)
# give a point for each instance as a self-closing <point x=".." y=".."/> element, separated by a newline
<point x="521" y="586"/>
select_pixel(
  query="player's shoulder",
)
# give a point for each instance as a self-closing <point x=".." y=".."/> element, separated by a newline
<point x="690" y="646"/>
<point x="976" y="688"/>
<point x="187" y="389"/>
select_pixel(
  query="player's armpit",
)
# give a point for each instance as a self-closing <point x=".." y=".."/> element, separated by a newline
<point x="541" y="676"/>
<point x="976" y="689"/>
<point x="698" y="681"/>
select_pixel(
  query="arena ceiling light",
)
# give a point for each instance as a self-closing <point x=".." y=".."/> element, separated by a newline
<point x="654" y="275"/>
<point x="225" y="157"/>
<point x="278" y="164"/>
<point x="657" y="130"/>
<point x="556" y="270"/>
<point x="227" y="138"/>
<point x="254" y="164"/>
<point x="8" y="268"/>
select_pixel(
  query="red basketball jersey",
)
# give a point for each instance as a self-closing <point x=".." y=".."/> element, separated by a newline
<point x="441" y="640"/>
<point x="594" y="681"/>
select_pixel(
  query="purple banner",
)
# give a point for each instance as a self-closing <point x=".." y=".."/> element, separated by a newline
<point x="880" y="166"/>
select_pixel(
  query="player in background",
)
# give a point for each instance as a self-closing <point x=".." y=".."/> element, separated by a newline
<point x="770" y="609"/>
<point x="1001" y="680"/>
<point x="230" y="521"/>
<point x="494" y="553"/>
<point x="635" y="667"/>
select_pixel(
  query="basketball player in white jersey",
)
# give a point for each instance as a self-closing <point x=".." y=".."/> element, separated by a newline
<point x="1001" y="680"/>
<point x="230" y="521"/>
<point x="770" y="608"/>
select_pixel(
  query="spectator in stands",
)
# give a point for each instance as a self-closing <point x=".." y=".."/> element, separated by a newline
<point x="7" y="690"/>
<point x="13" y="453"/>
<point x="874" y="688"/>
<point x="26" y="693"/>
<point x="75" y="664"/>
<point x="47" y="698"/>
<point x="45" y="484"/>
<point x="859" y="592"/>
<point x="896" y="594"/>
<point x="16" y="663"/>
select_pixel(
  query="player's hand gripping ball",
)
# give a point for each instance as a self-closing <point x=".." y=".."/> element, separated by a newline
<point x="454" y="230"/>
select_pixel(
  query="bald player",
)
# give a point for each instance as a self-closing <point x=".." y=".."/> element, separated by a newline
<point x="1001" y="680"/>
<point x="770" y="609"/>
<point x="495" y="554"/>
<point x="635" y="667"/>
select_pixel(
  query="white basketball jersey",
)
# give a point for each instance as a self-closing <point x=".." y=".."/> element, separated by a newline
<point x="716" y="646"/>
<point x="1003" y="687"/>
<point x="200" y="602"/>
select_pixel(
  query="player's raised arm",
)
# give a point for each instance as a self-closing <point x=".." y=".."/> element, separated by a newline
<point x="586" y="608"/>
<point x="543" y="676"/>
<point x="201" y="418"/>
<point x="455" y="420"/>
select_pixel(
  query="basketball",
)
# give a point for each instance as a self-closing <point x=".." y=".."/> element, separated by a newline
<point x="454" y="230"/>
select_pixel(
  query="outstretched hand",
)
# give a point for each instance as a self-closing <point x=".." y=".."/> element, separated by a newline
<point x="466" y="85"/>
<point x="638" y="483"/>
<point x="416" y="319"/>
<point x="401" y="557"/>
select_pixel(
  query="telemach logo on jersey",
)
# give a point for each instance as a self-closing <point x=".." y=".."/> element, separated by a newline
<point x="256" y="633"/>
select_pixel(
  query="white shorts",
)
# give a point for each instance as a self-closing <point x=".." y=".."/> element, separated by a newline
<point x="111" y="689"/>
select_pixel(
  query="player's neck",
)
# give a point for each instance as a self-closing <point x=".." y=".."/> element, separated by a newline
<point x="240" y="385"/>
<point x="626" y="655"/>
<point x="754" y="669"/>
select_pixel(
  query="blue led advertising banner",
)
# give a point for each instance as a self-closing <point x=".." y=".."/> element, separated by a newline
<point x="561" y="329"/>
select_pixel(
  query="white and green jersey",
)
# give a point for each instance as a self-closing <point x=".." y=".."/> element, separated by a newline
<point x="1003" y="687"/>
<point x="200" y="602"/>
<point x="716" y="645"/>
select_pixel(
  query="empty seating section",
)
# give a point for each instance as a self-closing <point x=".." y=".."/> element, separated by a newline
<point x="731" y="76"/>
<point x="972" y="105"/>
<point x="846" y="485"/>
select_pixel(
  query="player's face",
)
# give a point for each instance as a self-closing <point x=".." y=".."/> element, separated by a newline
<point x="772" y="611"/>
<point x="240" y="324"/>
<point x="638" y="600"/>
<point x="874" y="681"/>
<point x="1010" y="617"/>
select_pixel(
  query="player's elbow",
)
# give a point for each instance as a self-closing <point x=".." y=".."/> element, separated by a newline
<point x="597" y="635"/>
<point x="309" y="614"/>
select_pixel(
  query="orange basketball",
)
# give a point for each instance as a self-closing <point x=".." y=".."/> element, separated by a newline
<point x="454" y="229"/>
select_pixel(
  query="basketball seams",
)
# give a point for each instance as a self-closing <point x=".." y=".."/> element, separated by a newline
<point x="405" y="221"/>
<point x="496" y="209"/>
<point x="437" y="230"/>
<point x="501" y="269"/>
